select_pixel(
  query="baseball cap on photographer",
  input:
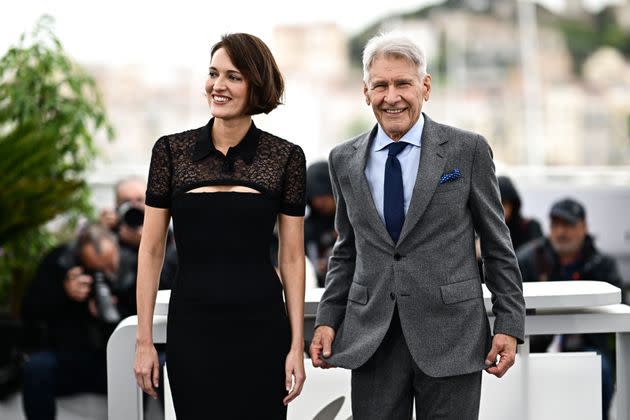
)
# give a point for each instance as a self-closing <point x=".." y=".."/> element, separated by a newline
<point x="568" y="210"/>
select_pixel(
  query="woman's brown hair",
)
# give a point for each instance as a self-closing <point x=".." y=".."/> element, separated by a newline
<point x="254" y="60"/>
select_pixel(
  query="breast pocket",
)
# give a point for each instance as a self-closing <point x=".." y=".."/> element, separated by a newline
<point x="449" y="196"/>
<point x="451" y="185"/>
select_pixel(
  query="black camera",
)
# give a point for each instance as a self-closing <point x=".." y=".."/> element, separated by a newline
<point x="130" y="215"/>
<point x="102" y="295"/>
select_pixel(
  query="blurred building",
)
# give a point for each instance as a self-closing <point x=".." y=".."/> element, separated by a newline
<point x="323" y="94"/>
<point x="479" y="82"/>
<point x="474" y="56"/>
<point x="315" y="52"/>
<point x="622" y="15"/>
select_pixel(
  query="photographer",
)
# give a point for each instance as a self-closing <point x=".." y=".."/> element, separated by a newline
<point x="126" y="223"/>
<point x="319" y="224"/>
<point x="127" y="226"/>
<point x="71" y="303"/>
<point x="129" y="190"/>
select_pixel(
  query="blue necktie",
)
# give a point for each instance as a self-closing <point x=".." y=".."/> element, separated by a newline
<point x="394" y="203"/>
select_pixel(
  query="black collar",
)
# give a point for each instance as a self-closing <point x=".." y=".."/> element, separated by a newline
<point x="246" y="148"/>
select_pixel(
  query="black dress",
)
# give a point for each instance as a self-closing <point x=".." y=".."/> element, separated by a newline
<point x="228" y="330"/>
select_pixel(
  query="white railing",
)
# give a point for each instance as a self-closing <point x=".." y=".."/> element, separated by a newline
<point x="553" y="308"/>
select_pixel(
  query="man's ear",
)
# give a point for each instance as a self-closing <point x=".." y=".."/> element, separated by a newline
<point x="365" y="93"/>
<point x="426" y="84"/>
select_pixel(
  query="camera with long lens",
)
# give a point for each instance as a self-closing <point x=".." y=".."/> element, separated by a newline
<point x="130" y="215"/>
<point x="102" y="295"/>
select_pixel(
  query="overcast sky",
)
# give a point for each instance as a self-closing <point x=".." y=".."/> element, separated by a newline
<point x="171" y="33"/>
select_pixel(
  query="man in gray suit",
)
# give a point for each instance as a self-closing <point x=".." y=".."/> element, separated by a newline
<point x="403" y="305"/>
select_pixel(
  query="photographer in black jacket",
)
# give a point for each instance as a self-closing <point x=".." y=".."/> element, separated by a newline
<point x="71" y="301"/>
<point x="126" y="221"/>
<point x="127" y="226"/>
<point x="569" y="253"/>
<point x="319" y="224"/>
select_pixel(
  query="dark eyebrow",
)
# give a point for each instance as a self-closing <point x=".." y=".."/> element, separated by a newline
<point x="229" y="71"/>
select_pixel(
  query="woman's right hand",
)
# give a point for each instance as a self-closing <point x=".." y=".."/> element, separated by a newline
<point x="147" y="368"/>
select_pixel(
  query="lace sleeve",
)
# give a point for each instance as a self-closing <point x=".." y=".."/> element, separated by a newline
<point x="160" y="172"/>
<point x="294" y="185"/>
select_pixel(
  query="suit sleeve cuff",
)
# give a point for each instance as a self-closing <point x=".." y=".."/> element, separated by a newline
<point x="511" y="329"/>
<point x="331" y="317"/>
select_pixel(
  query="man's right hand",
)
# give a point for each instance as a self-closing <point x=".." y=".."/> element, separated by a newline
<point x="77" y="285"/>
<point x="321" y="345"/>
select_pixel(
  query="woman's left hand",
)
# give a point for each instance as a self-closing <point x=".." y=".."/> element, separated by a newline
<point x="295" y="376"/>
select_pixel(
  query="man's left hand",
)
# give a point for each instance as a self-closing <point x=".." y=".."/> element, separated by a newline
<point x="505" y="347"/>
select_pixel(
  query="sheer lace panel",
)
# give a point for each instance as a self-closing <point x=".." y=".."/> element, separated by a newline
<point x="278" y="169"/>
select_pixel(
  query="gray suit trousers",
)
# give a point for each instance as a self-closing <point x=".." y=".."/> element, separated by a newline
<point x="385" y="386"/>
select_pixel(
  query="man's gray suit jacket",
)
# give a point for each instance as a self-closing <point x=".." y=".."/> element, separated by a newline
<point x="431" y="274"/>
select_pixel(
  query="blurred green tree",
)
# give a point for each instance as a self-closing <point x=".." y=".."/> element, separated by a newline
<point x="50" y="113"/>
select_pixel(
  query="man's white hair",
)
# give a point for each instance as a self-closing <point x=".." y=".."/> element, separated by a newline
<point x="393" y="44"/>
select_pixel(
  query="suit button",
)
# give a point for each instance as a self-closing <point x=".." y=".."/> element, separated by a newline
<point x="397" y="256"/>
<point x="392" y="296"/>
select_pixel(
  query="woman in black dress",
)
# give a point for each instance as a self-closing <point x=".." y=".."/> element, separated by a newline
<point x="234" y="350"/>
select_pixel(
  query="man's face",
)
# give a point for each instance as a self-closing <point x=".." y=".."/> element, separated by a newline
<point x="508" y="209"/>
<point x="132" y="191"/>
<point x="324" y="204"/>
<point x="105" y="260"/>
<point x="396" y="94"/>
<point x="567" y="238"/>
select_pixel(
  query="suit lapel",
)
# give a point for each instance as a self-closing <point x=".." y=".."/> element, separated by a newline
<point x="432" y="161"/>
<point x="360" y="184"/>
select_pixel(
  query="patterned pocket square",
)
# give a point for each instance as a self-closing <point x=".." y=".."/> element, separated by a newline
<point x="450" y="176"/>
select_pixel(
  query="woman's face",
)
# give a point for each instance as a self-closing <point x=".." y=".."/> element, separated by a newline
<point x="226" y="88"/>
